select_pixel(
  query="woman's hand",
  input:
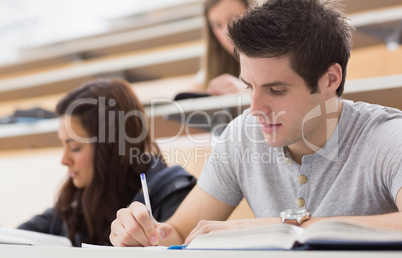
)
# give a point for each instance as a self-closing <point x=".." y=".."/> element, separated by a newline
<point x="133" y="227"/>
<point x="225" y="84"/>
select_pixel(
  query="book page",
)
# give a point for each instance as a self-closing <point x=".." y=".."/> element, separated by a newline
<point x="341" y="230"/>
<point x="280" y="236"/>
<point x="25" y="237"/>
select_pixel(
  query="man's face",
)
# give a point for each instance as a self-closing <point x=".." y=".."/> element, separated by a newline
<point x="280" y="100"/>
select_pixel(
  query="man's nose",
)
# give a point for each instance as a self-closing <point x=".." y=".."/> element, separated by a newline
<point x="257" y="106"/>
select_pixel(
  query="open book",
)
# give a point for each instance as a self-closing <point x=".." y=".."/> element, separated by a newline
<point x="322" y="235"/>
<point x="24" y="237"/>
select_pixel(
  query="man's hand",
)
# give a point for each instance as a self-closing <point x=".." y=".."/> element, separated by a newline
<point x="133" y="227"/>
<point x="205" y="227"/>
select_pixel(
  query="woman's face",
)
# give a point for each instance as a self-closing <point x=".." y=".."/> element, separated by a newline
<point x="77" y="151"/>
<point x="219" y="15"/>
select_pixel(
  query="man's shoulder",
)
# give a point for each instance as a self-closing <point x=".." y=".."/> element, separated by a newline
<point x="388" y="131"/>
<point x="370" y="114"/>
<point x="384" y="124"/>
<point x="365" y="108"/>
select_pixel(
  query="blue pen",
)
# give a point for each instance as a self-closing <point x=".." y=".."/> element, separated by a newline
<point x="146" y="197"/>
<point x="177" y="247"/>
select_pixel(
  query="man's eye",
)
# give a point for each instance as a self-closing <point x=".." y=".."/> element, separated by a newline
<point x="277" y="91"/>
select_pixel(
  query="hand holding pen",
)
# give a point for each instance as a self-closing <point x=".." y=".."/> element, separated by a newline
<point x="135" y="225"/>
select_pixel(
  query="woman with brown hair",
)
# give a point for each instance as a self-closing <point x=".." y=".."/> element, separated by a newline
<point x="220" y="69"/>
<point x="104" y="134"/>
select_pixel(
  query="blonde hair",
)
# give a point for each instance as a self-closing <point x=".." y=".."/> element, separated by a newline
<point x="217" y="60"/>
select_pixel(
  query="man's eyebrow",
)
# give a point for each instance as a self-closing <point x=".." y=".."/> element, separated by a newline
<point x="276" y="83"/>
<point x="241" y="78"/>
<point x="270" y="84"/>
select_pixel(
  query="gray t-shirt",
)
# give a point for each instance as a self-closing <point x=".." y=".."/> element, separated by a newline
<point x="357" y="172"/>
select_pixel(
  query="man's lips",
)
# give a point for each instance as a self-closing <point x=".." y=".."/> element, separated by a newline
<point x="270" y="128"/>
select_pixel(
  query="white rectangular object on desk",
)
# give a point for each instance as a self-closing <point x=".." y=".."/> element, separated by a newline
<point x="15" y="236"/>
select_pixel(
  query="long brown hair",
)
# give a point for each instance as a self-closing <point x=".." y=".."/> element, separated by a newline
<point x="91" y="210"/>
<point x="217" y="60"/>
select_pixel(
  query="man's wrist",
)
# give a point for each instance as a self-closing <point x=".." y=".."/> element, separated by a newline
<point x="295" y="216"/>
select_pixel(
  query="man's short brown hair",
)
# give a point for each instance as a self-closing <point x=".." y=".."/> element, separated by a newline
<point x="313" y="33"/>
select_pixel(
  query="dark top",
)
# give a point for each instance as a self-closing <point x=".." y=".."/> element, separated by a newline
<point x="167" y="187"/>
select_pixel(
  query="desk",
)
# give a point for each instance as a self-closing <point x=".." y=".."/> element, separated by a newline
<point x="382" y="90"/>
<point x="10" y="251"/>
<point x="165" y="106"/>
<point x="375" y="26"/>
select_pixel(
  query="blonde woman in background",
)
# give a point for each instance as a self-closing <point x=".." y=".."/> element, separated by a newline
<point x="220" y="71"/>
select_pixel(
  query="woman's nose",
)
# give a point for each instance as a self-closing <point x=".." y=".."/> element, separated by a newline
<point x="65" y="159"/>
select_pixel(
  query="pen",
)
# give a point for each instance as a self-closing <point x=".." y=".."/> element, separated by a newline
<point x="146" y="197"/>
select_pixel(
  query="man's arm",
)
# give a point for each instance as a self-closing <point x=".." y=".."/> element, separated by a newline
<point x="197" y="206"/>
<point x="133" y="227"/>
<point x="200" y="213"/>
<point x="387" y="221"/>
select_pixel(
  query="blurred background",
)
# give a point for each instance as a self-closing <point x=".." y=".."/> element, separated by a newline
<point x="25" y="24"/>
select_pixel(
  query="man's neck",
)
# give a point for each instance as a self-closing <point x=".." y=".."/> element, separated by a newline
<point x="313" y="144"/>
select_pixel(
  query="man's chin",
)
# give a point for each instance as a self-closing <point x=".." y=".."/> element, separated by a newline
<point x="273" y="141"/>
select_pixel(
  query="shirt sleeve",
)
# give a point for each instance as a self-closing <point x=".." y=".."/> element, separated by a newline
<point x="39" y="223"/>
<point x="387" y="147"/>
<point x="219" y="177"/>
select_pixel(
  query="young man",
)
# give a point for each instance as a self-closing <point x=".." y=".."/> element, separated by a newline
<point x="299" y="144"/>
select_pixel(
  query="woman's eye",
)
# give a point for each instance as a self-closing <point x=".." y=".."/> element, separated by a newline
<point x="75" y="149"/>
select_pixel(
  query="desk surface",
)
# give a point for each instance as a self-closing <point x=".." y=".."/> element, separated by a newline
<point x="11" y="251"/>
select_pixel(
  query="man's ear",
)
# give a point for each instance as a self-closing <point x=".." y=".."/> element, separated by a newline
<point x="334" y="76"/>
